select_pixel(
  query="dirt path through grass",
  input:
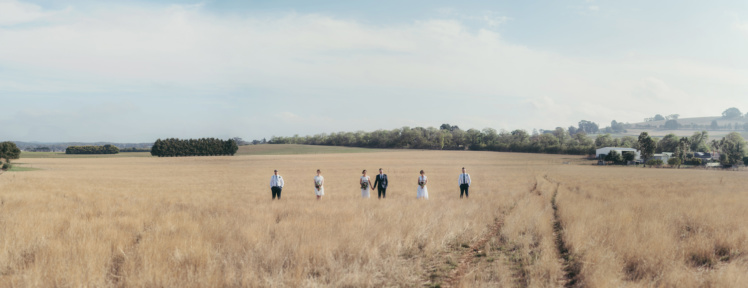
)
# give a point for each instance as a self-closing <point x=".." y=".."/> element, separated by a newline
<point x="571" y="265"/>
<point x="476" y="250"/>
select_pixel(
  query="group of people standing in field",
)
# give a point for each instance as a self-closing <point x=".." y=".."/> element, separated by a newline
<point x="380" y="183"/>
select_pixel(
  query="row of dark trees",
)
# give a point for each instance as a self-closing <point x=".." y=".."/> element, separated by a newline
<point x="133" y="149"/>
<point x="106" y="149"/>
<point x="173" y="147"/>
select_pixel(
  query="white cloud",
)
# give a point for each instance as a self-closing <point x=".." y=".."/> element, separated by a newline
<point x="336" y="62"/>
<point x="742" y="27"/>
<point x="13" y="12"/>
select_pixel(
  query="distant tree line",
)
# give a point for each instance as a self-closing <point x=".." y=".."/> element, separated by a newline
<point x="61" y="146"/>
<point x="133" y="149"/>
<point x="173" y="147"/>
<point x="449" y="137"/>
<point x="8" y="151"/>
<point x="558" y="141"/>
<point x="106" y="149"/>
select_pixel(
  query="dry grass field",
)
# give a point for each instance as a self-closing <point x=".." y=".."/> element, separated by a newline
<point x="531" y="221"/>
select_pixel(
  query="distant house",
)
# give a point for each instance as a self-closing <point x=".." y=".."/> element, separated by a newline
<point x="602" y="152"/>
<point x="705" y="156"/>
<point x="664" y="156"/>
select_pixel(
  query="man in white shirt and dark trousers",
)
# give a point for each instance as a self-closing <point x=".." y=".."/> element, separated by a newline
<point x="276" y="185"/>
<point x="464" y="183"/>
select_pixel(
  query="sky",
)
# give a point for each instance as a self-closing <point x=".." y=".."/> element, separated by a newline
<point x="136" y="71"/>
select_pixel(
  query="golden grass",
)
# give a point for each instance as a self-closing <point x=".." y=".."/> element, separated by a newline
<point x="656" y="227"/>
<point x="209" y="222"/>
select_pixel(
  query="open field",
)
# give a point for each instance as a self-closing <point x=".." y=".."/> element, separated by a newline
<point x="531" y="221"/>
<point x="266" y="149"/>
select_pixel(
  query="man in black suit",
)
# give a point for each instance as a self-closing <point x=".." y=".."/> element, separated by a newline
<point x="381" y="184"/>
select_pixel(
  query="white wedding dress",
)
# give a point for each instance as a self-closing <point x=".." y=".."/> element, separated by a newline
<point x="423" y="192"/>
<point x="319" y="180"/>
<point x="366" y="193"/>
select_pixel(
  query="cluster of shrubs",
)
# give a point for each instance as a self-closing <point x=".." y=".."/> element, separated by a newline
<point x="173" y="147"/>
<point x="106" y="149"/>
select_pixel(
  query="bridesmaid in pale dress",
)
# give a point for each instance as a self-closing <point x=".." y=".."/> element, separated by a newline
<point x="423" y="191"/>
<point x="319" y="181"/>
<point x="365" y="183"/>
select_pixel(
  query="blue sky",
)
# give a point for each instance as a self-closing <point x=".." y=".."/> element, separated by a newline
<point x="135" y="71"/>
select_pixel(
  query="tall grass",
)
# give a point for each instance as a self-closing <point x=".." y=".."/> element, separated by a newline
<point x="210" y="222"/>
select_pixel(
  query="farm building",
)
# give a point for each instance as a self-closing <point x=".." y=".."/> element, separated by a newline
<point x="606" y="150"/>
<point x="664" y="156"/>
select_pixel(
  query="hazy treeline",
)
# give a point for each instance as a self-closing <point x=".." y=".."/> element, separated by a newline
<point x="736" y="121"/>
<point x="173" y="147"/>
<point x="106" y="149"/>
<point x="61" y="146"/>
<point x="133" y="149"/>
<point x="448" y="137"/>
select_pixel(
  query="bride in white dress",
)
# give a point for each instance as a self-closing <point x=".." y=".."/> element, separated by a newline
<point x="423" y="191"/>
<point x="365" y="183"/>
<point x="319" y="181"/>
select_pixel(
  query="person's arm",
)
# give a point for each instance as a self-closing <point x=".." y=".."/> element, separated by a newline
<point x="376" y="180"/>
<point x="469" y="181"/>
<point x="271" y="181"/>
<point x="282" y="183"/>
<point x="385" y="182"/>
<point x="425" y="181"/>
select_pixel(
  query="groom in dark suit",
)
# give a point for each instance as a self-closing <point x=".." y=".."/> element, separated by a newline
<point x="381" y="184"/>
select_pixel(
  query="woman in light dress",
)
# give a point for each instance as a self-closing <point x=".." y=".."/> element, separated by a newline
<point x="365" y="183"/>
<point x="423" y="191"/>
<point x="319" y="181"/>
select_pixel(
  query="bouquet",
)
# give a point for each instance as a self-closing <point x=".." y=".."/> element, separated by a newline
<point x="421" y="183"/>
<point x="364" y="184"/>
<point x="317" y="184"/>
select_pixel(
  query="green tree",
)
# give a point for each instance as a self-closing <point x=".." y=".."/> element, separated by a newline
<point x="732" y="113"/>
<point x="658" y="117"/>
<point x="588" y="127"/>
<point x="628" y="156"/>
<point x="714" y="125"/>
<point x="672" y="124"/>
<point x="8" y="151"/>
<point x="700" y="141"/>
<point x="604" y="140"/>
<point x="674" y="162"/>
<point x="732" y="147"/>
<point x="667" y="144"/>
<point x="614" y="156"/>
<point x="647" y="146"/>
<point x="681" y="152"/>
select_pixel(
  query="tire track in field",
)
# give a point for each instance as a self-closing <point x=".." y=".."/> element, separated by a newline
<point x="571" y="265"/>
<point x="474" y="252"/>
